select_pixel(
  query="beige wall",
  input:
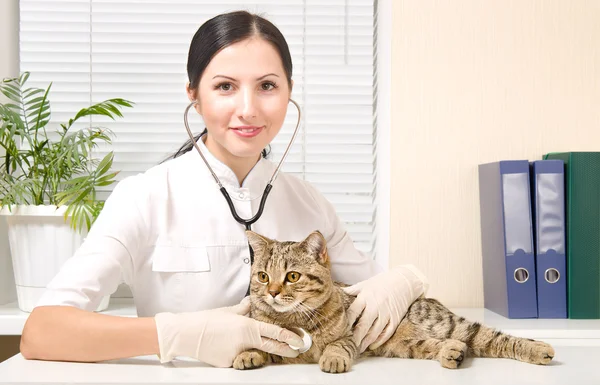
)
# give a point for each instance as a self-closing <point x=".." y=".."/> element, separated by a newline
<point x="473" y="82"/>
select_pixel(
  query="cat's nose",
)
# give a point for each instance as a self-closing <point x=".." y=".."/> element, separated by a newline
<point x="274" y="293"/>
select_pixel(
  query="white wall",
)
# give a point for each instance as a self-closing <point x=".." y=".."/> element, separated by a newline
<point x="473" y="82"/>
<point x="9" y="67"/>
<point x="9" y="39"/>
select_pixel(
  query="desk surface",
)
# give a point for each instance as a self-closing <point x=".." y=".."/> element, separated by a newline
<point x="576" y="365"/>
<point x="576" y="342"/>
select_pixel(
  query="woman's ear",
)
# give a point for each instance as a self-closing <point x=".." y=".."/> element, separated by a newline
<point x="192" y="94"/>
<point x="291" y="88"/>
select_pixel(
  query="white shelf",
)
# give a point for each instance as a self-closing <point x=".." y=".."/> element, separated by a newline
<point x="12" y="319"/>
<point x="559" y="332"/>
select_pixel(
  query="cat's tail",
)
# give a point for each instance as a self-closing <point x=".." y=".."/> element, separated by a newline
<point x="482" y="341"/>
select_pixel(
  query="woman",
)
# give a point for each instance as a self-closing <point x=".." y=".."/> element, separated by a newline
<point x="169" y="234"/>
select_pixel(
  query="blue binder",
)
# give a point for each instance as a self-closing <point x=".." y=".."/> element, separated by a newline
<point x="548" y="182"/>
<point x="509" y="280"/>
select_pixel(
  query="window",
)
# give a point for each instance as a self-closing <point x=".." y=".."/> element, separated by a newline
<point x="92" y="50"/>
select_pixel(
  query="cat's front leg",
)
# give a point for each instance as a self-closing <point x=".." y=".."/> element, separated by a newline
<point x="254" y="358"/>
<point x="250" y="359"/>
<point x="338" y="356"/>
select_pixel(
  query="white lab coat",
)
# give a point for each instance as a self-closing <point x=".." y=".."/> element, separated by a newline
<point x="169" y="234"/>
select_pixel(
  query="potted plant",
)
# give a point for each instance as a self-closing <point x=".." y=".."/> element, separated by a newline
<point x="48" y="183"/>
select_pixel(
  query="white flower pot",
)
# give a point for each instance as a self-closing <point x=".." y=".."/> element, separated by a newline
<point x="40" y="243"/>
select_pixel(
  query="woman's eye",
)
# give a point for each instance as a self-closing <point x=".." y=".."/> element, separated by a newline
<point x="263" y="277"/>
<point x="224" y="86"/>
<point x="293" y="276"/>
<point x="268" y="86"/>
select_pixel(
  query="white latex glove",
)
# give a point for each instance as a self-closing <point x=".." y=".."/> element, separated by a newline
<point x="381" y="303"/>
<point x="217" y="336"/>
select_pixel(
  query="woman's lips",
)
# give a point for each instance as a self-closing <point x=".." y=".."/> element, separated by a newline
<point x="247" y="131"/>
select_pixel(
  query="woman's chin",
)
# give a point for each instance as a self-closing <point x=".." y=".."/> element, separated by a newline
<point x="250" y="152"/>
<point x="247" y="147"/>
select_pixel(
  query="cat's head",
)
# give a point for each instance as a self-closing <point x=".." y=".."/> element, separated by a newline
<point x="290" y="276"/>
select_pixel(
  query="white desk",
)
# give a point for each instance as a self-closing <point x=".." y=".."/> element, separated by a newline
<point x="577" y="360"/>
<point x="572" y="365"/>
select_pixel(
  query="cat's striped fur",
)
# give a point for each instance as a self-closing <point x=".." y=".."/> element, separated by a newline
<point x="317" y="304"/>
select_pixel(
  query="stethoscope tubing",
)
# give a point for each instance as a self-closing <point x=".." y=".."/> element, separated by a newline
<point x="246" y="222"/>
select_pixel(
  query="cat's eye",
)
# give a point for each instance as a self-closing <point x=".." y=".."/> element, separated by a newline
<point x="293" y="276"/>
<point x="263" y="277"/>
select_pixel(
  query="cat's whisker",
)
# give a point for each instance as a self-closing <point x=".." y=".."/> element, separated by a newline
<point x="315" y="323"/>
<point x="313" y="311"/>
<point x="314" y="315"/>
<point x="318" y="312"/>
<point x="306" y="316"/>
<point x="302" y="312"/>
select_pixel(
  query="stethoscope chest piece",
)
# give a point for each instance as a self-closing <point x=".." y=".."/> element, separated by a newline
<point x="306" y="338"/>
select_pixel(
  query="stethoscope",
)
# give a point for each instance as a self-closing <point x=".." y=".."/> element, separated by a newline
<point x="246" y="222"/>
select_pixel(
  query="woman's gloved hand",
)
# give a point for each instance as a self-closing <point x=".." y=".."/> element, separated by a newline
<point x="217" y="336"/>
<point x="381" y="303"/>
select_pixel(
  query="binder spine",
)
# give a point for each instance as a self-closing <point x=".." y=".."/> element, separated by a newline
<point x="518" y="230"/>
<point x="550" y="239"/>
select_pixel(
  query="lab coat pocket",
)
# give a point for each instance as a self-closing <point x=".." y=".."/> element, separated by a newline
<point x="180" y="259"/>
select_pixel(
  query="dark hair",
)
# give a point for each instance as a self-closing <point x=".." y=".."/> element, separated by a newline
<point x="221" y="31"/>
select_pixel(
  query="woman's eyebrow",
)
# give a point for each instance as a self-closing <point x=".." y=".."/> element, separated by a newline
<point x="223" y="76"/>
<point x="264" y="76"/>
<point x="230" y="78"/>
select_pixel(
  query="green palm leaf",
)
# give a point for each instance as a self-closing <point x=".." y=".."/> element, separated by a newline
<point x="38" y="170"/>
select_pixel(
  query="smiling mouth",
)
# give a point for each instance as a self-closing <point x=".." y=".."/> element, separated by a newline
<point x="246" y="129"/>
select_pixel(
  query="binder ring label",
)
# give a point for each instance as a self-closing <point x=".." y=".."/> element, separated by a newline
<point x="521" y="275"/>
<point x="551" y="275"/>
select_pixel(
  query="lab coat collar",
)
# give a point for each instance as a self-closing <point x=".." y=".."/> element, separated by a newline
<point x="253" y="185"/>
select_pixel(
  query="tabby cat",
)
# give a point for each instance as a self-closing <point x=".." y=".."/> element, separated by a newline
<point x="292" y="287"/>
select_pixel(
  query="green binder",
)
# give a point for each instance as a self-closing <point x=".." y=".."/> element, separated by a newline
<point x="582" y="181"/>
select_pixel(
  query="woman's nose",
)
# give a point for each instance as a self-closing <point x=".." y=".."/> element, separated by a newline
<point x="247" y="105"/>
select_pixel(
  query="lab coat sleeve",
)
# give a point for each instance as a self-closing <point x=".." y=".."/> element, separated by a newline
<point x="106" y="257"/>
<point x="348" y="264"/>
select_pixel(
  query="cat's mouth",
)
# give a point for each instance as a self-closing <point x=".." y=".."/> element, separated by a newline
<point x="281" y="306"/>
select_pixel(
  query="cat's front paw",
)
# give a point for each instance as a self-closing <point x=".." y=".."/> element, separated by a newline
<point x="330" y="363"/>
<point x="541" y="353"/>
<point x="452" y="353"/>
<point x="249" y="360"/>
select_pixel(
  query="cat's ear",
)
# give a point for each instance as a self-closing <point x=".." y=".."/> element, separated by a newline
<point x="316" y="245"/>
<point x="257" y="242"/>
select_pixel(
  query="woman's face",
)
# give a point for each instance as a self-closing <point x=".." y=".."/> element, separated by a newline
<point x="243" y="98"/>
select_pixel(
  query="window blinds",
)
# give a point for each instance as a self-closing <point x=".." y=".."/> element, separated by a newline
<point x="92" y="50"/>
